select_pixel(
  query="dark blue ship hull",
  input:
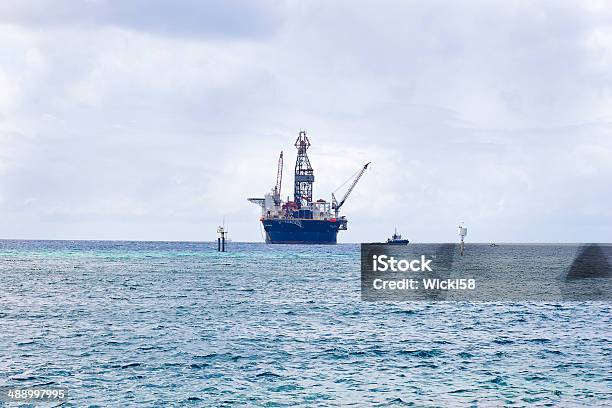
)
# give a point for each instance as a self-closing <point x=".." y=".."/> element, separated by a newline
<point x="397" y="242"/>
<point x="302" y="231"/>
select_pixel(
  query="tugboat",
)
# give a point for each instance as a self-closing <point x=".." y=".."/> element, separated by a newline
<point x="396" y="239"/>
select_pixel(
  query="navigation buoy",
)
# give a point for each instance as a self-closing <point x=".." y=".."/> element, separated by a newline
<point x="462" y="234"/>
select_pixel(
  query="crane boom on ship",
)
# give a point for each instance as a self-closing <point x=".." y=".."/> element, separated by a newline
<point x="279" y="180"/>
<point x="335" y="204"/>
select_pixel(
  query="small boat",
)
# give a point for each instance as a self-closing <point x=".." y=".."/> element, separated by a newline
<point x="493" y="244"/>
<point x="396" y="239"/>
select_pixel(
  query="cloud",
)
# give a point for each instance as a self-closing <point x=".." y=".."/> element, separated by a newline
<point x="189" y="18"/>
<point x="120" y="123"/>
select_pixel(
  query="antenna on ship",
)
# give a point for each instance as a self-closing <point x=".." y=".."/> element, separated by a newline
<point x="462" y="234"/>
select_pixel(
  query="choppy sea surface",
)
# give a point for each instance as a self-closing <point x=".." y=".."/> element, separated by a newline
<point x="122" y="324"/>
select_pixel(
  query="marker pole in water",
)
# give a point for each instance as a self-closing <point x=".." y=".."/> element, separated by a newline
<point x="221" y="240"/>
<point x="462" y="234"/>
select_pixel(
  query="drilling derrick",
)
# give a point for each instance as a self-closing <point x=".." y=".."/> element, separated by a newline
<point x="304" y="176"/>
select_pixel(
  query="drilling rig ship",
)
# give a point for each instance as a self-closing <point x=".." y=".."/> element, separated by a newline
<point x="302" y="221"/>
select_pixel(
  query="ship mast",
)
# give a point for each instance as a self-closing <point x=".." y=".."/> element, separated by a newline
<point x="304" y="175"/>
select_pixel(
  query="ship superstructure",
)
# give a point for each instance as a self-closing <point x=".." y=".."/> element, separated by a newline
<point x="302" y="220"/>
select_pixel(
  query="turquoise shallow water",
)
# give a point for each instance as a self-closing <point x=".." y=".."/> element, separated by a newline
<point x="177" y="324"/>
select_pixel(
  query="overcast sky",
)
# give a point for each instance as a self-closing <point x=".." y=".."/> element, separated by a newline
<point x="154" y="120"/>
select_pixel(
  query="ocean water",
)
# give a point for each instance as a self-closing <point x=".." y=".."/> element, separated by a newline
<point x="124" y="324"/>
